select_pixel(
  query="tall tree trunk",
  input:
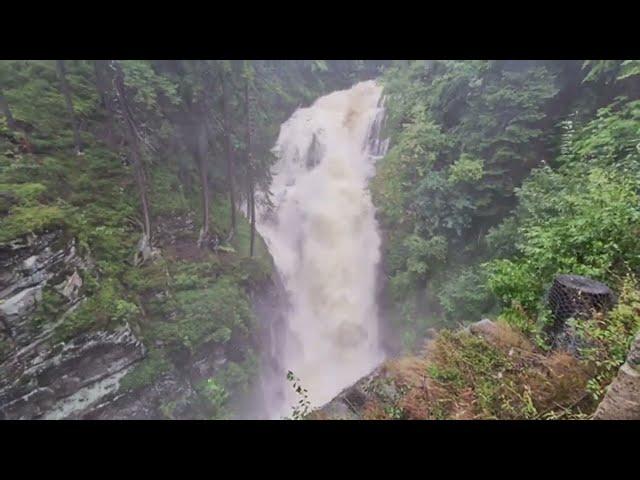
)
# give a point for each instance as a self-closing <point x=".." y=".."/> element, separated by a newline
<point x="132" y="140"/>
<point x="66" y="92"/>
<point x="4" y="106"/>
<point x="250" y="179"/>
<point x="202" y="162"/>
<point x="228" y="152"/>
<point x="248" y="198"/>
<point x="102" y="85"/>
<point x="253" y="220"/>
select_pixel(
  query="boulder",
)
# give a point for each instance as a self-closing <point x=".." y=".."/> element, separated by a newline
<point x="622" y="400"/>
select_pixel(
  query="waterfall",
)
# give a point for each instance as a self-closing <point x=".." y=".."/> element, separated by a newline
<point x="321" y="231"/>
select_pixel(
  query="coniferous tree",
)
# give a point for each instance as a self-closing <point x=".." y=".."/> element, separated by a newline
<point x="66" y="92"/>
<point x="6" y="111"/>
<point x="249" y="159"/>
<point x="133" y="141"/>
<point x="227" y="144"/>
<point x="102" y="85"/>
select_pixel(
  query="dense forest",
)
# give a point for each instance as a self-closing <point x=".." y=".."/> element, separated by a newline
<point x="128" y="211"/>
<point x="502" y="174"/>
<point x="143" y="168"/>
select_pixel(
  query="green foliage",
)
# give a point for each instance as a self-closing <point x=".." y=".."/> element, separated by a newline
<point x="609" y="71"/>
<point x="23" y="193"/>
<point x="168" y="195"/>
<point x="107" y="307"/>
<point x="583" y="224"/>
<point x="237" y="377"/>
<point x="35" y="219"/>
<point x="32" y="90"/>
<point x="148" y="85"/>
<point x="466" y="169"/>
<point x="213" y="314"/>
<point x="215" y="397"/>
<point x="606" y="339"/>
<point x="146" y="372"/>
<point x="609" y="140"/>
<point x="185" y="297"/>
<point x="303" y="407"/>
<point x="49" y="308"/>
<point x="472" y="362"/>
<point x="466" y="296"/>
<point x="629" y="68"/>
<point x="421" y="252"/>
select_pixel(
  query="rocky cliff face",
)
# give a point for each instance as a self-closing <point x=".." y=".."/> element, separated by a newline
<point x="46" y="375"/>
<point x="40" y="375"/>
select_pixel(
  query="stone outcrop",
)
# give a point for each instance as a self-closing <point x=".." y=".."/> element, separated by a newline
<point x="44" y="375"/>
<point x="26" y="266"/>
<point x="349" y="404"/>
<point x="40" y="375"/>
<point x="622" y="400"/>
<point x="378" y="387"/>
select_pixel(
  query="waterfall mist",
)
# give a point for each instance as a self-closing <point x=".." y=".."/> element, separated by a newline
<point x="322" y="233"/>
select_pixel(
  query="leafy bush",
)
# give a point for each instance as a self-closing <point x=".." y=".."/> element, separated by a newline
<point x="465" y="296"/>
<point x="606" y="338"/>
<point x="569" y="223"/>
<point x="214" y="396"/>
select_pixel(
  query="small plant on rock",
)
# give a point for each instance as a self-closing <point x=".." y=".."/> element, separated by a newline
<point x="303" y="407"/>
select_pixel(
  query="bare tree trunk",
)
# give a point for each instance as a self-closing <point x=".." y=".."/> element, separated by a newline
<point x="132" y="140"/>
<point x="4" y="106"/>
<point x="251" y="199"/>
<point x="248" y="199"/>
<point x="228" y="152"/>
<point x="253" y="221"/>
<point x="202" y="161"/>
<point x="66" y="92"/>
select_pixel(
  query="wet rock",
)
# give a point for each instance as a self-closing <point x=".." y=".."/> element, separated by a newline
<point x="72" y="285"/>
<point x="26" y="267"/>
<point x="349" y="404"/>
<point x="484" y="328"/>
<point x="169" y="397"/>
<point x="622" y="400"/>
<point x="41" y="380"/>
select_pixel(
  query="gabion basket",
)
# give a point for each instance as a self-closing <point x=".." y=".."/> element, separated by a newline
<point x="574" y="296"/>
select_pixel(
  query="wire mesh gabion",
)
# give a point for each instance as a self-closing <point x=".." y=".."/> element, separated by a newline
<point x="574" y="296"/>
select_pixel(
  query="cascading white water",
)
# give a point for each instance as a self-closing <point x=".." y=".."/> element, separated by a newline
<point x="323" y="236"/>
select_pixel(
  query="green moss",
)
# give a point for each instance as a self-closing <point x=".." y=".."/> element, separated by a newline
<point x="192" y="275"/>
<point x="49" y="308"/>
<point x="146" y="372"/>
<point x="106" y="308"/>
<point x="34" y="219"/>
<point x="23" y="192"/>
<point x="167" y="194"/>
<point x="210" y="314"/>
